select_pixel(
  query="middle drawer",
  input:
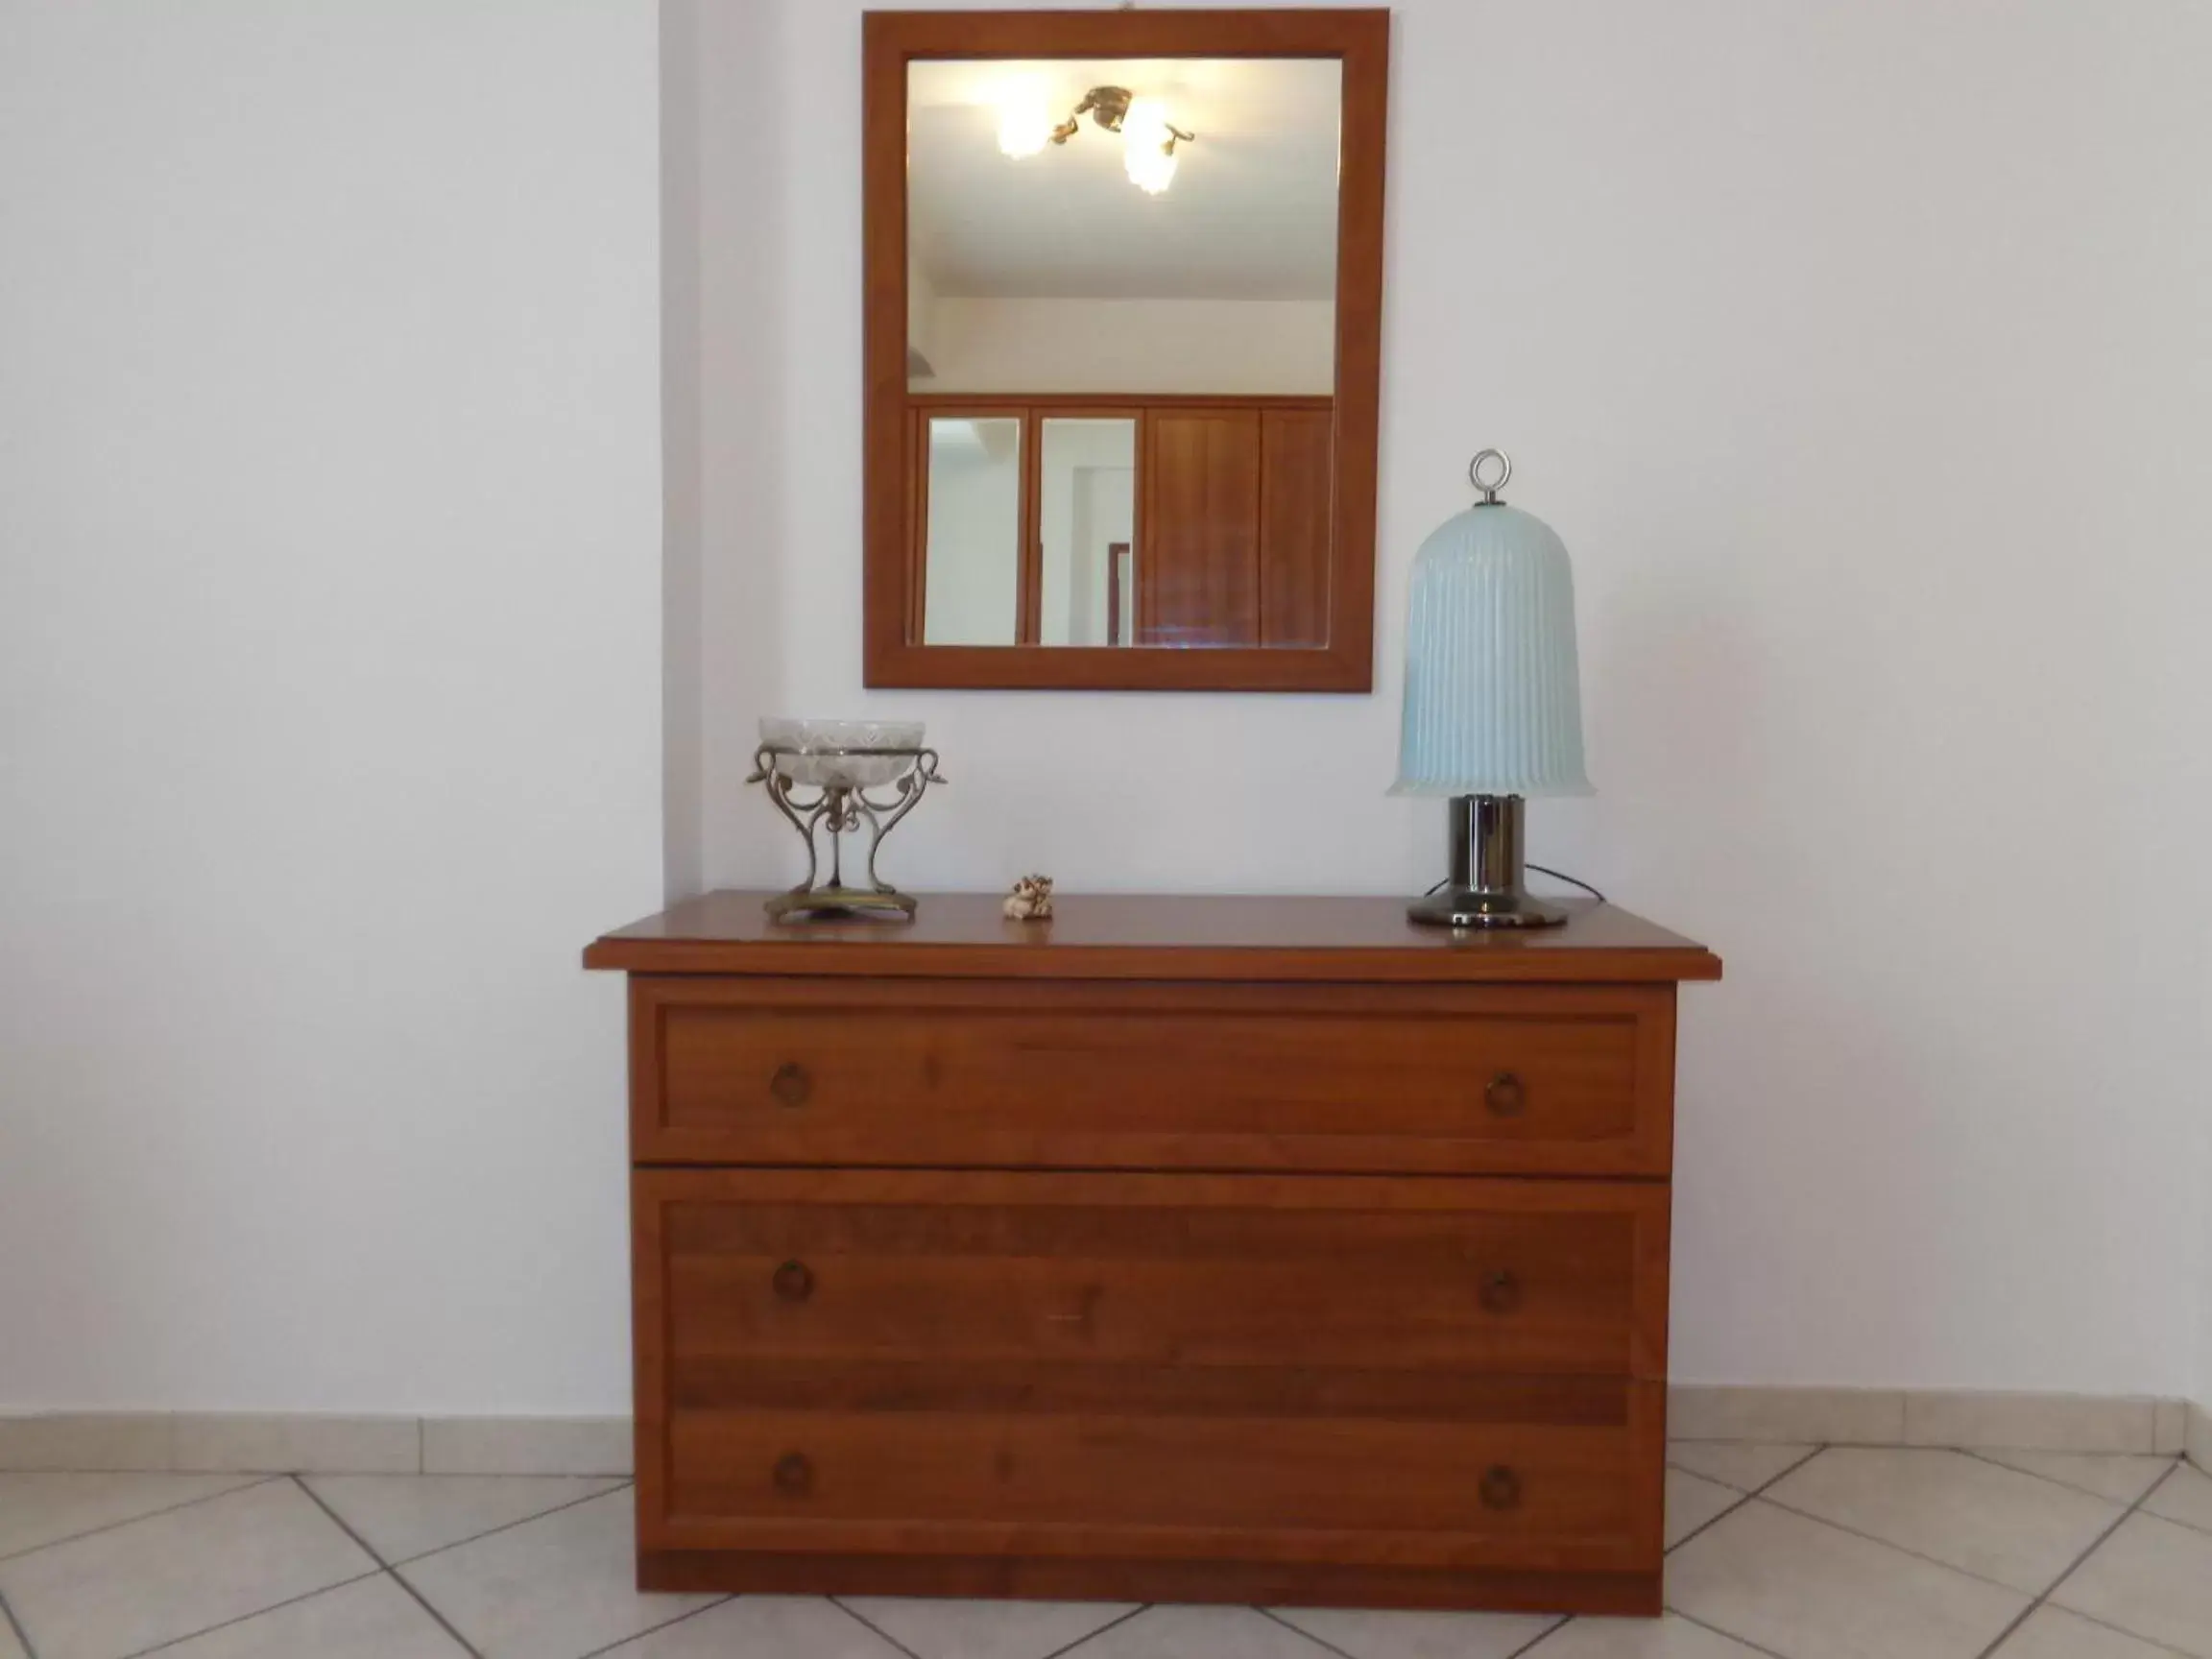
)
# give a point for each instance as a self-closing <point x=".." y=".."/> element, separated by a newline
<point x="1198" y="1272"/>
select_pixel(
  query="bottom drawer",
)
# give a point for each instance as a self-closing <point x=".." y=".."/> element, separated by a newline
<point x="1103" y="1420"/>
<point x="1261" y="1488"/>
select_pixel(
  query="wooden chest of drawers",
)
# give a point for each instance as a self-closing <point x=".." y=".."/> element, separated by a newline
<point x="1176" y="1249"/>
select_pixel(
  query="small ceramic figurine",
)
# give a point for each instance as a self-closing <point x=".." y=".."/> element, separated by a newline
<point x="1031" y="900"/>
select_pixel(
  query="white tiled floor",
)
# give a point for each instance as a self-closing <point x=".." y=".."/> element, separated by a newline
<point x="1796" y="1552"/>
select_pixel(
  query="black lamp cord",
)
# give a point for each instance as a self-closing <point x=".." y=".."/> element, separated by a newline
<point x="1556" y="875"/>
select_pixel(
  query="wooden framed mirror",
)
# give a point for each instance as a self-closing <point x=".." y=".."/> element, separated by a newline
<point x="1123" y="341"/>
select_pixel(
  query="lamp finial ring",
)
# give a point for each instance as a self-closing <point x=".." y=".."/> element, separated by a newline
<point x="1475" y="473"/>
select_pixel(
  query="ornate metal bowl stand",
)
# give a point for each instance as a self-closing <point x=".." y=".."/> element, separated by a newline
<point x="842" y="807"/>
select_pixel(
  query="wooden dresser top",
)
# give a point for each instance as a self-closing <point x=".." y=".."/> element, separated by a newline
<point x="1152" y="936"/>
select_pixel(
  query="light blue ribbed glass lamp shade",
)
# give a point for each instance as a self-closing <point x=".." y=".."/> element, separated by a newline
<point x="1493" y="702"/>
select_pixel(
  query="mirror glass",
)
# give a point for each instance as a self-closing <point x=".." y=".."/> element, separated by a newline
<point x="1121" y="329"/>
<point x="973" y="524"/>
<point x="1086" y="522"/>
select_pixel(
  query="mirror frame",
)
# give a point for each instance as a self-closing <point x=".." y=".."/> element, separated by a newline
<point x="890" y="41"/>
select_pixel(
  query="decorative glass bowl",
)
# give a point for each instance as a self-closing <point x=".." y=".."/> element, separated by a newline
<point x="842" y="760"/>
<point x="841" y="753"/>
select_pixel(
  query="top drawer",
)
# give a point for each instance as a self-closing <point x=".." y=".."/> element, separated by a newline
<point x="1533" y="1079"/>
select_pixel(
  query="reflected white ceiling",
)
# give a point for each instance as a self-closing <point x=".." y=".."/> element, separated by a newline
<point x="1251" y="214"/>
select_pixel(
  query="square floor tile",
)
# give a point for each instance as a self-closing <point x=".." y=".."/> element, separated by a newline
<point x="1672" y="1637"/>
<point x="368" y="1619"/>
<point x="1379" y="1635"/>
<point x="10" y="1644"/>
<point x="1743" y="1464"/>
<point x="403" y="1515"/>
<point x="764" y="1627"/>
<point x="554" y="1587"/>
<point x="951" y="1628"/>
<point x="1199" y="1633"/>
<point x="1693" y="1501"/>
<point x="177" y="1574"/>
<point x="2053" y="1633"/>
<point x="2185" y="1496"/>
<point x="1994" y="1522"/>
<point x="41" y="1509"/>
<point x="2150" y="1579"/>
<point x="1796" y="1586"/>
<point x="2120" y="1476"/>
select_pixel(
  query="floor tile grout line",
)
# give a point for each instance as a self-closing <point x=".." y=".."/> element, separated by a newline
<point x="246" y="1483"/>
<point x="1141" y="1607"/>
<point x="2075" y="1566"/>
<point x="1729" y="1635"/>
<point x="1813" y="1450"/>
<point x="2108" y="1624"/>
<point x="1901" y="1549"/>
<point x="621" y="1485"/>
<point x="467" y="1646"/>
<point x="1779" y="1475"/>
<point x="1982" y="1457"/>
<point x="1783" y="1474"/>
<point x="1559" y="1624"/>
<point x="1742" y="1497"/>
<point x="2185" y="1526"/>
<point x="1322" y="1641"/>
<point x="8" y="1620"/>
<point x="2133" y="1510"/>
<point x="622" y="1642"/>
<point x="274" y="1606"/>
<point x="868" y="1623"/>
<point x="1710" y="1522"/>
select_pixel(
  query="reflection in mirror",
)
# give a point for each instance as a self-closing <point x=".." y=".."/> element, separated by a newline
<point x="1040" y="263"/>
<point x="1086" y="504"/>
<point x="974" y="530"/>
<point x="1122" y="327"/>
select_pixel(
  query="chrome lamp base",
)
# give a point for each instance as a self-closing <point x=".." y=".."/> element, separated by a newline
<point x="1486" y="887"/>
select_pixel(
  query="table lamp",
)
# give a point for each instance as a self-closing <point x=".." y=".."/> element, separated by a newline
<point x="1493" y="706"/>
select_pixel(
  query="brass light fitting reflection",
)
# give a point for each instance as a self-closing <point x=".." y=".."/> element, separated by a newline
<point x="1141" y="124"/>
<point x="1109" y="108"/>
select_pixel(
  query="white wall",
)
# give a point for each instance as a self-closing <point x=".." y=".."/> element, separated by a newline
<point x="1253" y="347"/>
<point x="329" y="684"/>
<point x="1859" y="353"/>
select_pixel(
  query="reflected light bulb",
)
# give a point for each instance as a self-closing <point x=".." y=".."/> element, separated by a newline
<point x="1145" y="138"/>
<point x="1151" y="171"/>
<point x="1025" y="126"/>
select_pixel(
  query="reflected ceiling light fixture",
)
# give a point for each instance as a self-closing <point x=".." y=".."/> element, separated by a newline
<point x="1025" y="123"/>
<point x="1148" y="137"/>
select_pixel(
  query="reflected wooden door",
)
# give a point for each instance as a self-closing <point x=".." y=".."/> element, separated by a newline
<point x="1296" y="510"/>
<point x="1198" y="583"/>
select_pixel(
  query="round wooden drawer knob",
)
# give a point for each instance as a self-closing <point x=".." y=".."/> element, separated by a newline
<point x="1500" y="1488"/>
<point x="794" y="1282"/>
<point x="1507" y="1096"/>
<point x="794" y="1473"/>
<point x="1501" y="1292"/>
<point x="791" y="1085"/>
